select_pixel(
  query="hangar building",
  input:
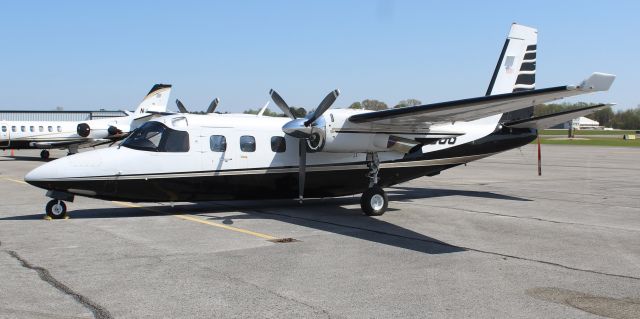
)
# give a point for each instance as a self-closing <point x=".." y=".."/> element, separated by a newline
<point x="19" y="115"/>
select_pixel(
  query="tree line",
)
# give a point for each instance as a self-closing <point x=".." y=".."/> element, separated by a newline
<point x="623" y="120"/>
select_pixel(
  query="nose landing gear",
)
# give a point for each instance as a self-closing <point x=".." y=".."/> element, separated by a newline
<point x="374" y="200"/>
<point x="56" y="209"/>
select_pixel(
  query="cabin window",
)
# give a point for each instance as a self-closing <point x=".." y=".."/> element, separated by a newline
<point x="175" y="141"/>
<point x="31" y="128"/>
<point x="278" y="144"/>
<point x="59" y="128"/>
<point x="41" y="128"/>
<point x="50" y="128"/>
<point x="247" y="143"/>
<point x="13" y="128"/>
<point x="156" y="137"/>
<point x="4" y="128"/>
<point x="218" y="143"/>
<point x="23" y="129"/>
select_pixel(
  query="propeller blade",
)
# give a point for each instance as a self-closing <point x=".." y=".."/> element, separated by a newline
<point x="302" y="169"/>
<point x="323" y="107"/>
<point x="281" y="103"/>
<point x="181" y="107"/>
<point x="213" y="105"/>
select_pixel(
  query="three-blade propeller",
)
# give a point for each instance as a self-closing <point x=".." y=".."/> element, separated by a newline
<point x="212" y="107"/>
<point x="302" y="129"/>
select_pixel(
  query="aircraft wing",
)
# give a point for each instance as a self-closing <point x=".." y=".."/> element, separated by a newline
<point x="550" y="120"/>
<point x="476" y="108"/>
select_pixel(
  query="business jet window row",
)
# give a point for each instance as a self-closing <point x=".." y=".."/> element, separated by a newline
<point x="31" y="128"/>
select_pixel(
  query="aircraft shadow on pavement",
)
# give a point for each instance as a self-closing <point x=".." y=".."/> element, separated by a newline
<point x="328" y="214"/>
<point x="6" y="158"/>
<point x="400" y="193"/>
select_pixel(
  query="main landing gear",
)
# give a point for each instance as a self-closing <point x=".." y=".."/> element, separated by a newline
<point x="44" y="154"/>
<point x="374" y="200"/>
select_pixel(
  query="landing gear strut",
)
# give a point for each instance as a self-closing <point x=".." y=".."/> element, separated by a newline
<point x="44" y="155"/>
<point x="374" y="201"/>
<point x="56" y="209"/>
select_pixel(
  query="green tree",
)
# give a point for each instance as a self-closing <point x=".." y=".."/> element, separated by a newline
<point x="374" y="105"/>
<point x="355" y="105"/>
<point x="298" y="112"/>
<point x="407" y="102"/>
<point x="603" y="116"/>
<point x="267" y="112"/>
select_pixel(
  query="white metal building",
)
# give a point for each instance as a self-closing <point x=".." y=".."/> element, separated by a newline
<point x="18" y="115"/>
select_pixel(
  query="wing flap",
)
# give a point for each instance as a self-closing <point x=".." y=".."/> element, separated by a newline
<point x="550" y="120"/>
<point x="476" y="108"/>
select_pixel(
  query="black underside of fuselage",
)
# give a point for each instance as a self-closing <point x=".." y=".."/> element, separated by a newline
<point x="319" y="183"/>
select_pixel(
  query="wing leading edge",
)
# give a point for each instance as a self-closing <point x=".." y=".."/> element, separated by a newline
<point x="476" y="108"/>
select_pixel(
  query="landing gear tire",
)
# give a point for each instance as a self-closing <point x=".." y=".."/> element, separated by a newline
<point x="56" y="209"/>
<point x="374" y="201"/>
<point x="44" y="154"/>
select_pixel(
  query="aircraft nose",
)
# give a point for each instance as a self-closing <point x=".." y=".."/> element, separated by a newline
<point x="42" y="173"/>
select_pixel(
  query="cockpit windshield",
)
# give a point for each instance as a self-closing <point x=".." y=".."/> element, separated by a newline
<point x="156" y="137"/>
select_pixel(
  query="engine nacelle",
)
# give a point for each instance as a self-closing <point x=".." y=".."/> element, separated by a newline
<point x="113" y="131"/>
<point x="83" y="129"/>
<point x="334" y="134"/>
<point x="367" y="143"/>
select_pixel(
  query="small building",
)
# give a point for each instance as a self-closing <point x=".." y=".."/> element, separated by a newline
<point x="20" y="115"/>
<point x="581" y="123"/>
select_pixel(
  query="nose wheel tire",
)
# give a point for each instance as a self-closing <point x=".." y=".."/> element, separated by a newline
<point x="374" y="201"/>
<point x="44" y="154"/>
<point x="56" y="209"/>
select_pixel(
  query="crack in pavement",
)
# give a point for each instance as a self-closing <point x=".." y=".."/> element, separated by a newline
<point x="314" y="308"/>
<point x="550" y="263"/>
<point x="98" y="311"/>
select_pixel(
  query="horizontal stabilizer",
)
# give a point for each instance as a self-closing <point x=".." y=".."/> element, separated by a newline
<point x="550" y="120"/>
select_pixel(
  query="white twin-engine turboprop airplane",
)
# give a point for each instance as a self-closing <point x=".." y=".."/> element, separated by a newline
<point x="332" y="152"/>
<point x="71" y="135"/>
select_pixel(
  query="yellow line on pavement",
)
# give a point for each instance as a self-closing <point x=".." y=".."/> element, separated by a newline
<point x="15" y="180"/>
<point x="201" y="221"/>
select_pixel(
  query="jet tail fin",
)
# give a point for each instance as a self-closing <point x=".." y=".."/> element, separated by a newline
<point x="550" y="120"/>
<point x="516" y="68"/>
<point x="155" y="101"/>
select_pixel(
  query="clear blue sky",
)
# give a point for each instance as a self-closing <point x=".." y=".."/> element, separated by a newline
<point x="107" y="54"/>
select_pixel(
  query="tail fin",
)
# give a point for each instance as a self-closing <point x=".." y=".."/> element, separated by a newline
<point x="516" y="68"/>
<point x="156" y="100"/>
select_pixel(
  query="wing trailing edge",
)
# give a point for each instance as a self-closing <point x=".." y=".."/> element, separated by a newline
<point x="550" y="120"/>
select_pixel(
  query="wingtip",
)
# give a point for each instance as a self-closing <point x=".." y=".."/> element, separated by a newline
<point x="597" y="82"/>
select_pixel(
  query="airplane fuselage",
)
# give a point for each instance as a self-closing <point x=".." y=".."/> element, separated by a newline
<point x="254" y="164"/>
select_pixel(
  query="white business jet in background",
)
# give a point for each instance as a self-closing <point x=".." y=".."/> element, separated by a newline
<point x="73" y="135"/>
<point x="332" y="152"/>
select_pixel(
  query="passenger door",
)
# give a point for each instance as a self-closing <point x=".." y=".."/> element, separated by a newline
<point x="4" y="134"/>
